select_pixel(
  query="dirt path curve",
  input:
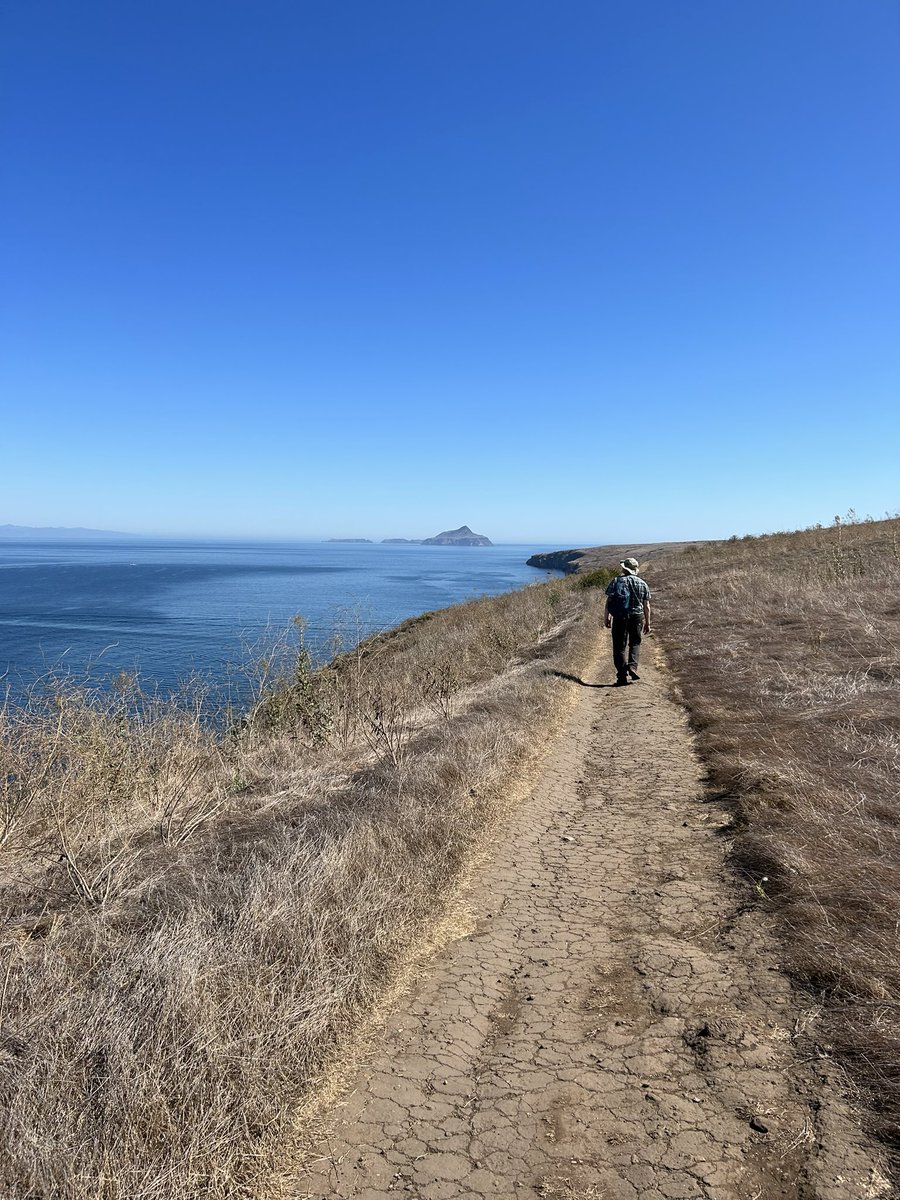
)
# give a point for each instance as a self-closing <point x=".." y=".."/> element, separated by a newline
<point x="613" y="1027"/>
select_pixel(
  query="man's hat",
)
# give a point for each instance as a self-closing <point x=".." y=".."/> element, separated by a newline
<point x="631" y="565"/>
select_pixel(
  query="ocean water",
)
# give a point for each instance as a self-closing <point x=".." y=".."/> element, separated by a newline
<point x="167" y="610"/>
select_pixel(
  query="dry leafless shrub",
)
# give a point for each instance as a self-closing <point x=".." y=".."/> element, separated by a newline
<point x="787" y="650"/>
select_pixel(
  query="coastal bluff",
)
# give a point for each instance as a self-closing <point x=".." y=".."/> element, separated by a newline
<point x="589" y="558"/>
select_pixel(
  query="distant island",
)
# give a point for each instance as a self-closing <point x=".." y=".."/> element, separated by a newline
<point x="458" y="537"/>
<point x="39" y="533"/>
<point x="450" y="537"/>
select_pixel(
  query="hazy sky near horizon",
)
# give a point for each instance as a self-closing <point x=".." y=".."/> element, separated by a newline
<point x="573" y="272"/>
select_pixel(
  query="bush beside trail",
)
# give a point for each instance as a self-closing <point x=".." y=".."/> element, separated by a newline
<point x="600" y="577"/>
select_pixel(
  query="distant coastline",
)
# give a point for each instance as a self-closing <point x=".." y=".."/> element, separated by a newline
<point x="47" y="533"/>
<point x="588" y="558"/>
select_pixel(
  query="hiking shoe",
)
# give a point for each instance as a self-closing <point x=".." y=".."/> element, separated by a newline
<point x="621" y="681"/>
<point x="632" y="671"/>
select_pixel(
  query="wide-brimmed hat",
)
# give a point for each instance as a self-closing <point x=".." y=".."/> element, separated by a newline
<point x="631" y="565"/>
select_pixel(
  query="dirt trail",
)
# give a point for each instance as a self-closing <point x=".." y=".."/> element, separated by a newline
<point x="614" y="1026"/>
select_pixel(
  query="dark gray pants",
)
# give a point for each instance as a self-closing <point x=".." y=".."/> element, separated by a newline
<point x="626" y="634"/>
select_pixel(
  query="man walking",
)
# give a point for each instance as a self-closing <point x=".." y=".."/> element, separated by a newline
<point x="628" y="612"/>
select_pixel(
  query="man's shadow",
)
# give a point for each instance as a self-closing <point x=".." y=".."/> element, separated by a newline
<point x="575" y="679"/>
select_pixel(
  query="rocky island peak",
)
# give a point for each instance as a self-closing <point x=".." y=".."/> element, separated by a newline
<point x="463" y="536"/>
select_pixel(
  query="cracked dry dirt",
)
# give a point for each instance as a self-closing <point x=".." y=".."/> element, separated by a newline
<point x="614" y="1025"/>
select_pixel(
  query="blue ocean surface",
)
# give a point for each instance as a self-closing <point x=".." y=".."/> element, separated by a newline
<point x="167" y="610"/>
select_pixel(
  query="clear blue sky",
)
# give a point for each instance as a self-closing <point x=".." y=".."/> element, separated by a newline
<point x="569" y="272"/>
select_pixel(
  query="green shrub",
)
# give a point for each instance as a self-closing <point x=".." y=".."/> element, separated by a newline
<point x="598" y="578"/>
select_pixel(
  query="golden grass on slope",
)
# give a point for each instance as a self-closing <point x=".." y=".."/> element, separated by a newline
<point x="787" y="650"/>
<point x="198" y="926"/>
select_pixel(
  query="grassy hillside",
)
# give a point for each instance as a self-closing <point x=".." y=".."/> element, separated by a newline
<point x="199" y="926"/>
<point x="787" y="651"/>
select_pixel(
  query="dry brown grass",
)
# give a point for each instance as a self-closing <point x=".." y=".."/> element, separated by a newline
<point x="198" y="925"/>
<point x="787" y="650"/>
